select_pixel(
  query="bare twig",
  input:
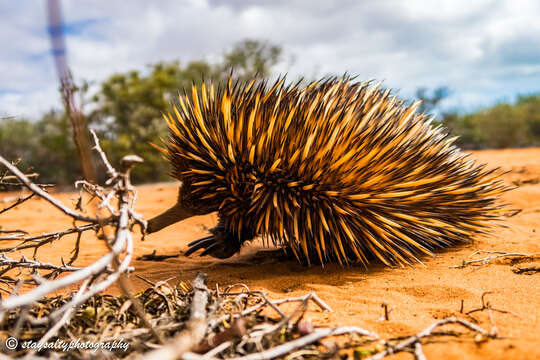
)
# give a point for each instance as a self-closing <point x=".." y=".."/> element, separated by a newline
<point x="18" y="202"/>
<point x="49" y="286"/>
<point x="33" y="264"/>
<point x="113" y="174"/>
<point x="12" y="177"/>
<point x="12" y="231"/>
<point x="273" y="304"/>
<point x="487" y="306"/>
<point x="528" y="270"/>
<point x="40" y="240"/>
<point x="387" y="311"/>
<point x="40" y="192"/>
<point x="154" y="257"/>
<point x="418" y="353"/>
<point x="493" y="256"/>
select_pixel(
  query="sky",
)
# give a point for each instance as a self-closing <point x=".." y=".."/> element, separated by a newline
<point x="484" y="51"/>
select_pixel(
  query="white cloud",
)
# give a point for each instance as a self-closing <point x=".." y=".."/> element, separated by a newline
<point x="483" y="50"/>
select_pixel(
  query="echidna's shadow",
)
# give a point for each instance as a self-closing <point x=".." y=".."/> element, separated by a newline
<point x="280" y="274"/>
<point x="260" y="268"/>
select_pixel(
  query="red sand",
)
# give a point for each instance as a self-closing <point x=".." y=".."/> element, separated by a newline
<point x="418" y="295"/>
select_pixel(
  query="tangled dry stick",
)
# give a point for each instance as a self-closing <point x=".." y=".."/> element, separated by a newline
<point x="212" y="324"/>
<point x="91" y="279"/>
<point x="195" y="329"/>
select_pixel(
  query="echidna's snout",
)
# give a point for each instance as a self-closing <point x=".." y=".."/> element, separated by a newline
<point x="173" y="215"/>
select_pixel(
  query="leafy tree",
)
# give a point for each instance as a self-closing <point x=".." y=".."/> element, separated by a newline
<point x="57" y="155"/>
<point x="502" y="126"/>
<point x="17" y="138"/>
<point x="530" y="108"/>
<point x="44" y="146"/>
<point x="250" y="58"/>
<point x="464" y="127"/>
<point x="499" y="126"/>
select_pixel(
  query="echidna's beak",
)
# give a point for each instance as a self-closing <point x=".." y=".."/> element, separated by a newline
<point x="169" y="217"/>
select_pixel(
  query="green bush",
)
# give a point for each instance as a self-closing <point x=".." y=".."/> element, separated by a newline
<point x="45" y="146"/>
<point x="500" y="126"/>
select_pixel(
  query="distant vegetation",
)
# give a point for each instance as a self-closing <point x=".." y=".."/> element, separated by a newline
<point x="127" y="114"/>
<point x="127" y="108"/>
<point x="500" y="126"/>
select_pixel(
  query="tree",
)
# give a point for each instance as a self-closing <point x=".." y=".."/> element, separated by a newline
<point x="250" y="58"/>
<point x="44" y="146"/>
<point x="530" y="109"/>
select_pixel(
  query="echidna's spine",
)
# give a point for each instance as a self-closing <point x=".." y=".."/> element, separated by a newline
<point x="337" y="170"/>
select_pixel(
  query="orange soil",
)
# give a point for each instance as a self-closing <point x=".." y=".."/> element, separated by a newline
<point x="418" y="295"/>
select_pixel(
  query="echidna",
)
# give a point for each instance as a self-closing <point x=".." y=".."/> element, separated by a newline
<point x="337" y="170"/>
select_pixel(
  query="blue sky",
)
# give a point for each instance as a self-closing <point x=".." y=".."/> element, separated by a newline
<point x="484" y="50"/>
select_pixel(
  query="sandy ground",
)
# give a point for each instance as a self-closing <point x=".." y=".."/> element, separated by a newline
<point x="418" y="296"/>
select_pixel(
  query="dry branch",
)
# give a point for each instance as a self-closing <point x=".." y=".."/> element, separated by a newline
<point x="42" y="193"/>
<point x="486" y="305"/>
<point x="13" y="177"/>
<point x="18" y="202"/>
<point x="91" y="279"/>
<point x="527" y="270"/>
<point x="34" y="264"/>
<point x="27" y="242"/>
<point x="183" y="311"/>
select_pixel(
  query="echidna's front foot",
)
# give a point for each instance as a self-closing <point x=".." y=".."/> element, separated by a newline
<point x="221" y="244"/>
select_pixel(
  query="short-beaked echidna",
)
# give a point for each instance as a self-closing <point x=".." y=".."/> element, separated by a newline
<point x="337" y="170"/>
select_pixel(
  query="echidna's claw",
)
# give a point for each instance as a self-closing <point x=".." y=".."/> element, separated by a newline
<point x="200" y="244"/>
<point x="221" y="244"/>
<point x="209" y="249"/>
<point x="193" y="243"/>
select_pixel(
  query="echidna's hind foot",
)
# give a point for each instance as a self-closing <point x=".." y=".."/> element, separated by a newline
<point x="222" y="244"/>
